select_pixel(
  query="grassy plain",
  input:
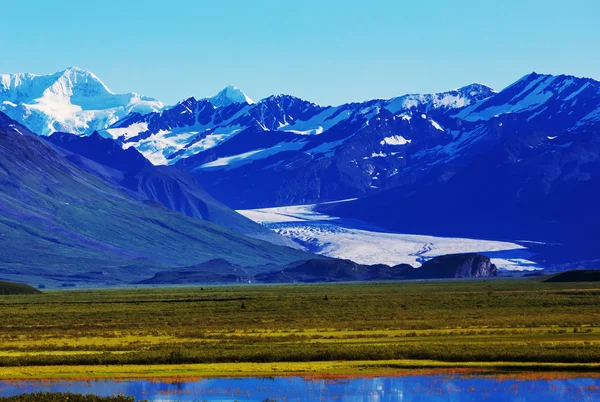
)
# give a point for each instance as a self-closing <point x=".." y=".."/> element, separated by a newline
<point x="339" y="329"/>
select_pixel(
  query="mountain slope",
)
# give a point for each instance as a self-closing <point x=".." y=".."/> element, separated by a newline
<point x="283" y="150"/>
<point x="60" y="224"/>
<point x="72" y="100"/>
<point x="537" y="186"/>
<point x="546" y="101"/>
<point x="173" y="188"/>
<point x="380" y="145"/>
<point x="194" y="126"/>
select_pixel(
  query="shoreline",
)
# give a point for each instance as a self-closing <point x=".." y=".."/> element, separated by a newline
<point x="309" y="370"/>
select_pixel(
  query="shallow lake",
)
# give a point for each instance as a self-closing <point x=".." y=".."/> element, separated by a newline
<point x="380" y="389"/>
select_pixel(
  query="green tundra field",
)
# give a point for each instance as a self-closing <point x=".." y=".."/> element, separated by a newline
<point x="519" y="324"/>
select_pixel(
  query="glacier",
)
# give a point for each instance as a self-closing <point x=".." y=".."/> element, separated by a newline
<point x="368" y="244"/>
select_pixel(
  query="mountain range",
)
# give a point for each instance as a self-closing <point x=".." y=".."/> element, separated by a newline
<point x="520" y="163"/>
<point x="531" y="173"/>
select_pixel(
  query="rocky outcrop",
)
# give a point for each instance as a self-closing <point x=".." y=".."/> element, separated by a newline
<point x="443" y="267"/>
<point x="217" y="271"/>
<point x="469" y="265"/>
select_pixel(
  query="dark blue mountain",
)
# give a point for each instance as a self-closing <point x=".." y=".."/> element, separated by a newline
<point x="531" y="171"/>
<point x="283" y="150"/>
<point x="539" y="185"/>
<point x="173" y="188"/>
<point x="60" y="224"/>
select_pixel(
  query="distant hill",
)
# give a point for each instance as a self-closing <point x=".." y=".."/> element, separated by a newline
<point x="10" y="288"/>
<point x="220" y="271"/>
<point x="576" y="276"/>
<point x="450" y="266"/>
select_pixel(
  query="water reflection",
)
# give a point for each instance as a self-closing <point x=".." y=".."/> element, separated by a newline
<point x="381" y="389"/>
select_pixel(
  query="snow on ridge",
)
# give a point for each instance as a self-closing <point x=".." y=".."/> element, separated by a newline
<point x="453" y="99"/>
<point x="227" y="162"/>
<point x="395" y="140"/>
<point x="230" y="95"/>
<point x="534" y="95"/>
<point x="319" y="123"/>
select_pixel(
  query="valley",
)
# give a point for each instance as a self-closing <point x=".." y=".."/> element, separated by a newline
<point x="299" y="201"/>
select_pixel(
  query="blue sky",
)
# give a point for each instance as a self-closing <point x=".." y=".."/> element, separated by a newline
<point x="329" y="52"/>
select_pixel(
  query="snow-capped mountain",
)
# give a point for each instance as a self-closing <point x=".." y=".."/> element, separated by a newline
<point x="72" y="100"/>
<point x="228" y="96"/>
<point x="548" y="101"/>
<point x="378" y="147"/>
<point x="443" y="163"/>
<point x="195" y="126"/>
<point x="285" y="150"/>
<point x="523" y="164"/>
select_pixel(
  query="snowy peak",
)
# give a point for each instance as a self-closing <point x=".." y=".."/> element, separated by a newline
<point x="75" y="85"/>
<point x="230" y="95"/>
<point x="194" y="126"/>
<point x="72" y="82"/>
<point x="72" y="100"/>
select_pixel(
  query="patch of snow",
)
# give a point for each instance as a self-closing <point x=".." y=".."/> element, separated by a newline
<point x="231" y="160"/>
<point x="436" y="125"/>
<point x="15" y="129"/>
<point x="395" y="140"/>
<point x="227" y="162"/>
<point x="127" y="132"/>
<point x="376" y="155"/>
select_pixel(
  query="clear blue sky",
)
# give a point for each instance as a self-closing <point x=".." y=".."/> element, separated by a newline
<point x="326" y="51"/>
